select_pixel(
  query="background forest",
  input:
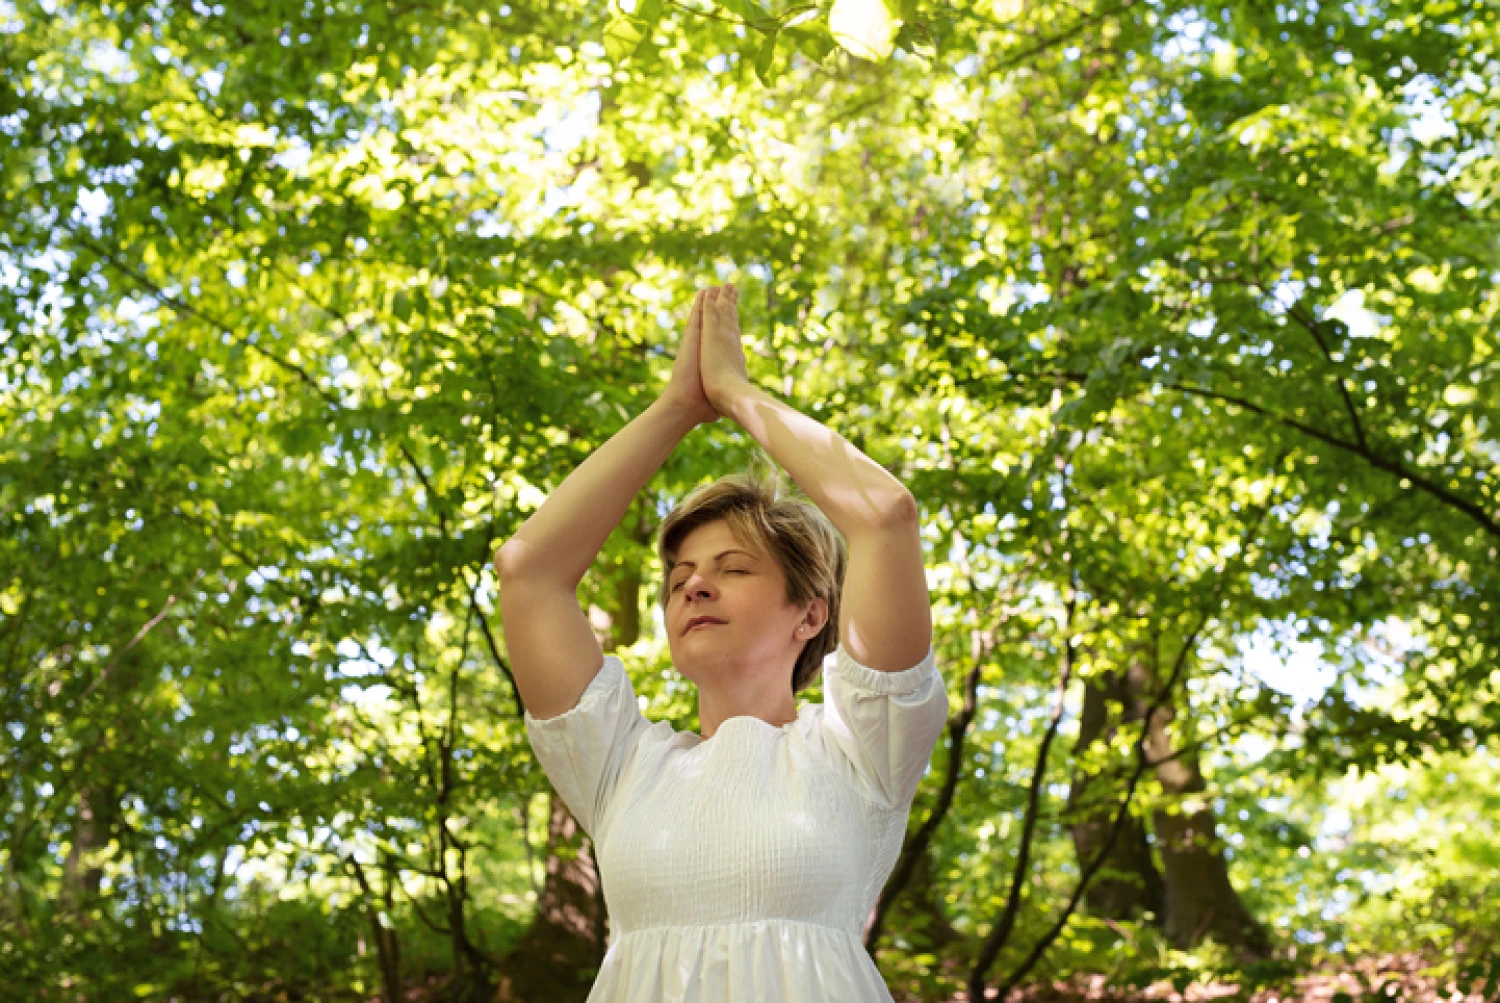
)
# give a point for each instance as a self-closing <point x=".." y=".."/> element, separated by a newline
<point x="1178" y="319"/>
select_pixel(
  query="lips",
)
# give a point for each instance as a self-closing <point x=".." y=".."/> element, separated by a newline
<point x="695" y="621"/>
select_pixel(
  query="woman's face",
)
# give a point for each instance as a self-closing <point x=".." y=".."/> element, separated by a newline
<point x="718" y="576"/>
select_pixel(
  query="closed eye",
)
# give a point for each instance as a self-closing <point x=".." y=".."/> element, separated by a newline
<point x="731" y="571"/>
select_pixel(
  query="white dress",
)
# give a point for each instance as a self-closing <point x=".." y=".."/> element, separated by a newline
<point x="742" y="868"/>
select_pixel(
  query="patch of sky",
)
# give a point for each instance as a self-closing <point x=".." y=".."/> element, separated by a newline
<point x="366" y="698"/>
<point x="1285" y="294"/>
<point x="76" y="378"/>
<point x="10" y="273"/>
<point x="1427" y="110"/>
<point x="211" y="81"/>
<point x="1350" y="308"/>
<point x="294" y="156"/>
<point x="559" y="197"/>
<point x="1029" y="293"/>
<point x="490" y="224"/>
<point x="573" y="126"/>
<point x="258" y="577"/>
<point x="320" y="110"/>
<point x="1189" y="33"/>
<point x="140" y="410"/>
<point x="967" y="66"/>
<point x="93" y="206"/>
<point x="1336" y="824"/>
<point x="1266" y="587"/>
<point x="110" y="60"/>
<point x="1275" y="656"/>
<point x="1383" y="653"/>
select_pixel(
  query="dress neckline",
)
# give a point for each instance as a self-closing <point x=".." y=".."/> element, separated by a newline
<point x="751" y="718"/>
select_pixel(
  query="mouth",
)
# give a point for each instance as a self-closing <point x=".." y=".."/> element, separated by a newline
<point x="702" y="622"/>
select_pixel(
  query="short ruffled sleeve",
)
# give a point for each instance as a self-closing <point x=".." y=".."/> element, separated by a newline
<point x="880" y="727"/>
<point x="584" y="750"/>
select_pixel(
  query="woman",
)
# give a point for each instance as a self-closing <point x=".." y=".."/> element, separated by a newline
<point x="739" y="864"/>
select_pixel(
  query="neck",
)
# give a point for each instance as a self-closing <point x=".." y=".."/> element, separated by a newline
<point x="712" y="713"/>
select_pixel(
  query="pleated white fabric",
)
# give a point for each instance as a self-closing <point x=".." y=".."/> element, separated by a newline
<point x="742" y="867"/>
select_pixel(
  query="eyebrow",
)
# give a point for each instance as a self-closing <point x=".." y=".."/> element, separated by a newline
<point x="720" y="557"/>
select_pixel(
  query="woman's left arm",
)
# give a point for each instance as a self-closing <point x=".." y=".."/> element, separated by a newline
<point x="885" y="619"/>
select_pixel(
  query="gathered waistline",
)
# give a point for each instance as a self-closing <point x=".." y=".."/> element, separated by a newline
<point x="769" y="921"/>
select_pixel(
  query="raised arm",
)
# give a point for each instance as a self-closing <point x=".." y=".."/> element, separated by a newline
<point x="885" y="619"/>
<point x="553" y="651"/>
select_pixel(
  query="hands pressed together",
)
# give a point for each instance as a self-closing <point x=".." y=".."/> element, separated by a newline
<point x="710" y="367"/>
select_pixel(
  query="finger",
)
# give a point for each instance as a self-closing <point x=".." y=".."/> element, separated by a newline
<point x="695" y="315"/>
<point x="710" y="307"/>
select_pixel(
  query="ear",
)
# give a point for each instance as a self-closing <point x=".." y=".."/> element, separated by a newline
<point x="813" y="619"/>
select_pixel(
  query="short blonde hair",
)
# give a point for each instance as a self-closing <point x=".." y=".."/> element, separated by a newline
<point x="806" y="545"/>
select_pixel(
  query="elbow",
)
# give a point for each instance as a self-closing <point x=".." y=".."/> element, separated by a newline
<point x="508" y="558"/>
<point x="903" y="510"/>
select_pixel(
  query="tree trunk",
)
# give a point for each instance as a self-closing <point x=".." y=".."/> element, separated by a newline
<point x="82" y="878"/>
<point x="1129" y="885"/>
<point x="1200" y="900"/>
<point x="387" y="942"/>
<point x="563" y="950"/>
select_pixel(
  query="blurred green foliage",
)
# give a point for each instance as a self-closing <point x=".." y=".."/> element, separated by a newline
<point x="1178" y="319"/>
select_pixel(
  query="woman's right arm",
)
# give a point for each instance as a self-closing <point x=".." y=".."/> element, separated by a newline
<point x="553" y="652"/>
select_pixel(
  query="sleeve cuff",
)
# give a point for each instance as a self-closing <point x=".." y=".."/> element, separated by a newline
<point x="901" y="683"/>
<point x="603" y="682"/>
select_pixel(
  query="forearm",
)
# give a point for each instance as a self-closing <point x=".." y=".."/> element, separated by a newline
<point x="854" y="491"/>
<point x="562" y="538"/>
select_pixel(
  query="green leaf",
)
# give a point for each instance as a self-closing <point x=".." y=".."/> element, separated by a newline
<point x="647" y="54"/>
<point x="765" y="59"/>
<point x="916" y="38"/>
<point x="866" y="28"/>
<point x="752" y="13"/>
<point x="814" y="43"/>
<point x="622" y="37"/>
